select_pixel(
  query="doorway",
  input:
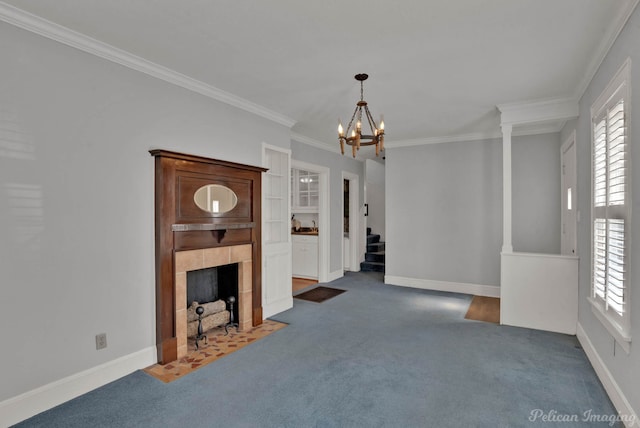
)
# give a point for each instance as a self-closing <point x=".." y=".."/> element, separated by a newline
<point x="351" y="238"/>
<point x="375" y="197"/>
<point x="569" y="196"/>
<point x="322" y="224"/>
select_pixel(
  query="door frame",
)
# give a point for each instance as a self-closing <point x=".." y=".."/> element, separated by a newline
<point x="564" y="148"/>
<point x="323" y="215"/>
<point x="354" y="223"/>
<point x="276" y="297"/>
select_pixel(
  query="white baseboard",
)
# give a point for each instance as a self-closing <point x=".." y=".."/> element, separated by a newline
<point x="38" y="400"/>
<point x="617" y="397"/>
<point x="452" y="287"/>
<point x="280" y="305"/>
<point x="335" y="275"/>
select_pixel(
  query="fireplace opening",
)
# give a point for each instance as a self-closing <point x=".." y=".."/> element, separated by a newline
<point x="211" y="284"/>
<point x="211" y="288"/>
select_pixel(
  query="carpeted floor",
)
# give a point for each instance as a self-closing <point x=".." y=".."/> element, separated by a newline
<point x="377" y="356"/>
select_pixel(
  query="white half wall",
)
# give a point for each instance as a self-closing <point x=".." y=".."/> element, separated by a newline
<point x="539" y="291"/>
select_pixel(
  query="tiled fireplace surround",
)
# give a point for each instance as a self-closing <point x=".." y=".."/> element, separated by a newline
<point x="186" y="261"/>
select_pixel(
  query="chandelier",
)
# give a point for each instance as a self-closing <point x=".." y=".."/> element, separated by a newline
<point x="355" y="136"/>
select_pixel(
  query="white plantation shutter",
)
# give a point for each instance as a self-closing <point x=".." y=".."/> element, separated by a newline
<point x="600" y="257"/>
<point x="616" y="287"/>
<point x="609" y="194"/>
<point x="610" y="203"/>
<point x="616" y="140"/>
<point x="600" y="164"/>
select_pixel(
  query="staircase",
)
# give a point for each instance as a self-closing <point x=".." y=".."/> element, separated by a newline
<point x="374" y="257"/>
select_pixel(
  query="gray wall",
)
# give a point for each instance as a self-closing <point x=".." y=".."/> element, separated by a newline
<point x="625" y="368"/>
<point x="336" y="163"/>
<point x="444" y="207"/>
<point x="536" y="193"/>
<point x="444" y="212"/>
<point x="76" y="200"/>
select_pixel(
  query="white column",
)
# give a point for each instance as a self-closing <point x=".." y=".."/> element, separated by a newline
<point x="507" y="247"/>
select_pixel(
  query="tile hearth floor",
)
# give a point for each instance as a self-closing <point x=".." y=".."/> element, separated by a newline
<point x="217" y="347"/>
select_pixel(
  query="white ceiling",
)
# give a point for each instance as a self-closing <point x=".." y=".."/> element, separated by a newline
<point x="437" y="68"/>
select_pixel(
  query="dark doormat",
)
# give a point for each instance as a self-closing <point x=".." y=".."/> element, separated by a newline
<point x="319" y="294"/>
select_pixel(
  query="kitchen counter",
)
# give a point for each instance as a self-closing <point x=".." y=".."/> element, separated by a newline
<point x="305" y="232"/>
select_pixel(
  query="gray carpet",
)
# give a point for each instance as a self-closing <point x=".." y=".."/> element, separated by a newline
<point x="377" y="356"/>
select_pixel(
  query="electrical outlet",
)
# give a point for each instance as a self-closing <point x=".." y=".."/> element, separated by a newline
<point x="101" y="341"/>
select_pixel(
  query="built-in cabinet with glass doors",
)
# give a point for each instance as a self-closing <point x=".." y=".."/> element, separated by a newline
<point x="305" y="191"/>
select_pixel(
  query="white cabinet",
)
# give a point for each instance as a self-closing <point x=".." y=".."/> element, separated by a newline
<point x="305" y="191"/>
<point x="305" y="256"/>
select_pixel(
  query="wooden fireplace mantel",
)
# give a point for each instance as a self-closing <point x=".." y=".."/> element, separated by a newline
<point x="180" y="225"/>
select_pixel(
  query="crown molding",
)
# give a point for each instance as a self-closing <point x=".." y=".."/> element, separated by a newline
<point x="538" y="129"/>
<point x="313" y="142"/>
<point x="64" y="35"/>
<point x="335" y="149"/>
<point x="538" y="111"/>
<point x="445" y="139"/>
<point x="606" y="42"/>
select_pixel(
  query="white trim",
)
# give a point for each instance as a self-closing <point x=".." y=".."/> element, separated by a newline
<point x="336" y="274"/>
<point x="315" y="143"/>
<point x="541" y="255"/>
<point x="537" y="111"/>
<point x="64" y="35"/>
<point x="479" y="136"/>
<point x="621" y="337"/>
<point x="616" y="395"/>
<point x="452" y="287"/>
<point x="275" y="148"/>
<point x="507" y="210"/>
<point x="38" y="400"/>
<point x="324" y="225"/>
<point x="622" y="77"/>
<point x="533" y="129"/>
<point x="552" y="127"/>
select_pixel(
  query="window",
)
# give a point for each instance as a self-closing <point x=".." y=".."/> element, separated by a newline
<point x="610" y="211"/>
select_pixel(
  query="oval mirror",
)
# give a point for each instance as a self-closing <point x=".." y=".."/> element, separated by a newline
<point x="215" y="198"/>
